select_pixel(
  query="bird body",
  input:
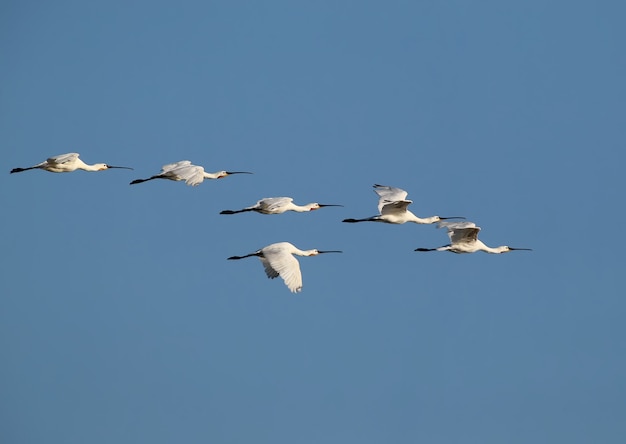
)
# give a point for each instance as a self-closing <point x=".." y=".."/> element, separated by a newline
<point x="66" y="163"/>
<point x="278" y="260"/>
<point x="464" y="239"/>
<point x="193" y="175"/>
<point x="278" y="205"/>
<point x="393" y="208"/>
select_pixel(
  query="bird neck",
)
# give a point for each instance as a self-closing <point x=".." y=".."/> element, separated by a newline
<point x="210" y="175"/>
<point x="305" y="252"/>
<point x="494" y="250"/>
<point x="303" y="208"/>
<point x="419" y="220"/>
<point x="95" y="167"/>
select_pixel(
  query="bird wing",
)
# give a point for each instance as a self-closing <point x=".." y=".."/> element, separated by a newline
<point x="172" y="166"/>
<point x="395" y="207"/>
<point x="273" y="203"/>
<point x="282" y="262"/>
<point x="269" y="271"/>
<point x="463" y="235"/>
<point x="193" y="175"/>
<point x="388" y="194"/>
<point x="62" y="158"/>
<point x="460" y="232"/>
<point x="455" y="224"/>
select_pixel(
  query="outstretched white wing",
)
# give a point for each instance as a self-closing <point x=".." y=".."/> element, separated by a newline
<point x="461" y="232"/>
<point x="388" y="194"/>
<point x="457" y="224"/>
<point x="271" y="204"/>
<point x="62" y="158"/>
<point x="172" y="166"/>
<point x="193" y="175"/>
<point x="278" y="260"/>
<point x="269" y="271"/>
<point x="395" y="207"/>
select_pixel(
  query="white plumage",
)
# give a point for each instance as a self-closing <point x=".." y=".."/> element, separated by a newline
<point x="66" y="163"/>
<point x="278" y="205"/>
<point x="184" y="170"/>
<point x="278" y="260"/>
<point x="464" y="239"/>
<point x="393" y="208"/>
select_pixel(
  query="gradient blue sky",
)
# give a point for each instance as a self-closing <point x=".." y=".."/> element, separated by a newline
<point x="120" y="318"/>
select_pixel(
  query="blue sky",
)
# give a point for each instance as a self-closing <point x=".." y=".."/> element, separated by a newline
<point x="120" y="318"/>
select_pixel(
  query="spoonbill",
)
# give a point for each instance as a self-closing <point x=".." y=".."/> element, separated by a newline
<point x="464" y="239"/>
<point x="278" y="260"/>
<point x="392" y="206"/>
<point x="193" y="175"/>
<point x="66" y="163"/>
<point x="279" y="205"/>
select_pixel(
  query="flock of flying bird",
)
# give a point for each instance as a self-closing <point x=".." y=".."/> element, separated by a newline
<point x="278" y="259"/>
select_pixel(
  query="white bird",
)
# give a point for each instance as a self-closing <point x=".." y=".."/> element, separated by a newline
<point x="464" y="239"/>
<point x="184" y="170"/>
<point x="65" y="163"/>
<point x="277" y="260"/>
<point x="392" y="206"/>
<point x="279" y="205"/>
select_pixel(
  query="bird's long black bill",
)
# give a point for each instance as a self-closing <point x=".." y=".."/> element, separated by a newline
<point x="425" y="249"/>
<point x="329" y="205"/>
<point x="122" y="168"/>
<point x="520" y="249"/>
<point x="451" y="217"/>
<point x="238" y="172"/>
<point x="330" y="251"/>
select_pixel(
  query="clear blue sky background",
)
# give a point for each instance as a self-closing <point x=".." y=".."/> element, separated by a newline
<point x="120" y="318"/>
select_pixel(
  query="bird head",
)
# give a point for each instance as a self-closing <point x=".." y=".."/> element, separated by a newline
<point x="447" y="217"/>
<point x="221" y="174"/>
<point x="104" y="166"/>
<point x="317" y="206"/>
<point x="507" y="249"/>
<point x="315" y="252"/>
